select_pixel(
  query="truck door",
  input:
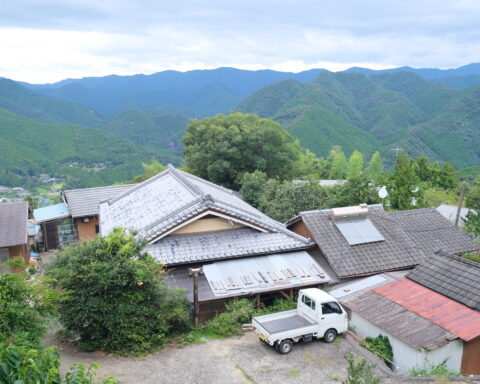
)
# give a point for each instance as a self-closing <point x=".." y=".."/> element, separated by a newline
<point x="308" y="307"/>
<point x="333" y="316"/>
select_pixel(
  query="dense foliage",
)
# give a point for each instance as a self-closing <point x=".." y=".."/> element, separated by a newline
<point x="379" y="346"/>
<point x="472" y="223"/>
<point x="223" y="148"/>
<point x="117" y="299"/>
<point x="26" y="306"/>
<point x="29" y="366"/>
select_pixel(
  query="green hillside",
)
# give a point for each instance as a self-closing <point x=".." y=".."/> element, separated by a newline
<point x="376" y="112"/>
<point x="86" y="156"/>
<point x="25" y="102"/>
<point x="158" y="130"/>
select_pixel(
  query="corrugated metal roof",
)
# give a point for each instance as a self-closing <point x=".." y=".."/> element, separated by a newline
<point x="263" y="273"/>
<point x="13" y="223"/>
<point x="401" y="323"/>
<point x="456" y="318"/>
<point x="51" y="212"/>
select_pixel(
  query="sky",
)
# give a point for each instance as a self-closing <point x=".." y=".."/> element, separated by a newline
<point x="44" y="41"/>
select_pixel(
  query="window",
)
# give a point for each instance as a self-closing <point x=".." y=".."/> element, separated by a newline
<point x="328" y="308"/>
<point x="97" y="228"/>
<point x="308" y="302"/>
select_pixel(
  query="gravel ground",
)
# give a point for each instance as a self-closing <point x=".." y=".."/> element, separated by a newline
<point x="237" y="360"/>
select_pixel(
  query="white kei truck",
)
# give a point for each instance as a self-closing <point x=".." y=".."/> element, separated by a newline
<point x="318" y="315"/>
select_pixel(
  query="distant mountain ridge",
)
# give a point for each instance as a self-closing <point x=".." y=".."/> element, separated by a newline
<point x="376" y="112"/>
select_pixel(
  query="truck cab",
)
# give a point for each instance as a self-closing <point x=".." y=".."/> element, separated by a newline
<point x="318" y="315"/>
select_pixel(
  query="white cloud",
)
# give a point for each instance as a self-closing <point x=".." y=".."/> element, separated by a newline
<point x="59" y="39"/>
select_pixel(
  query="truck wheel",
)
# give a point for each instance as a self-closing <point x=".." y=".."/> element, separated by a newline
<point x="330" y="336"/>
<point x="285" y="347"/>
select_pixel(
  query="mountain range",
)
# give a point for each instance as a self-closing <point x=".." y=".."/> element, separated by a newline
<point x="49" y="127"/>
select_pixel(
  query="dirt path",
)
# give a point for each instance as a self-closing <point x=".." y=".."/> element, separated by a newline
<point x="237" y="360"/>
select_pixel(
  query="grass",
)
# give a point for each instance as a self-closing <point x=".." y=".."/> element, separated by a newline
<point x="472" y="257"/>
<point x="248" y="377"/>
<point x="440" y="369"/>
<point x="293" y="373"/>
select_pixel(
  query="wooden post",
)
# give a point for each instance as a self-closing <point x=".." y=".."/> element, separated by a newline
<point x="460" y="203"/>
<point x="258" y="301"/>
<point x="195" y="272"/>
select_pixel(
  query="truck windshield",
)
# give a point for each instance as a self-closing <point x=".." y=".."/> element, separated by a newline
<point x="331" y="308"/>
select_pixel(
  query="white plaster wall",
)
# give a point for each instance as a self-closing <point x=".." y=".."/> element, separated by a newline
<point x="406" y="357"/>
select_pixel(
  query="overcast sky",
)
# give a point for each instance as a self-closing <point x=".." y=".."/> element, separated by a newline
<point x="49" y="40"/>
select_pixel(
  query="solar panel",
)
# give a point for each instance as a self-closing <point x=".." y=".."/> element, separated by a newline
<point x="359" y="231"/>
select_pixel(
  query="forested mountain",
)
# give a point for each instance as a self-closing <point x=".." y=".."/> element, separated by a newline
<point x="199" y="93"/>
<point x="23" y="101"/>
<point x="85" y="156"/>
<point x="376" y="112"/>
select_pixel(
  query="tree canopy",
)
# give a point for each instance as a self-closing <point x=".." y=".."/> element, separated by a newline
<point x="223" y="148"/>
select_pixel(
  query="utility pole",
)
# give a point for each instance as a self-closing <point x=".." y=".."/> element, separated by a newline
<point x="396" y="150"/>
<point x="460" y="203"/>
<point x="195" y="272"/>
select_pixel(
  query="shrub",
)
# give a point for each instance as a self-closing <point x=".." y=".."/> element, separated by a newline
<point x="25" y="309"/>
<point x="28" y="366"/>
<point x="118" y="301"/>
<point x="440" y="369"/>
<point x="359" y="372"/>
<point x="228" y="323"/>
<point x="379" y="346"/>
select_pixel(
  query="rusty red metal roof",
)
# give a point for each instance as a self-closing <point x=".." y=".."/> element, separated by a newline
<point x="456" y="318"/>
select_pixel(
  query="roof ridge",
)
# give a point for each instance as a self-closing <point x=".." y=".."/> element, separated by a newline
<point x="102" y="187"/>
<point x="184" y="180"/>
<point x="219" y="187"/>
<point x="463" y="260"/>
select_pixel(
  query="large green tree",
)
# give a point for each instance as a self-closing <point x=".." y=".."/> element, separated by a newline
<point x="117" y="298"/>
<point x="375" y="168"/>
<point x="223" y="148"/>
<point x="472" y="201"/>
<point x="339" y="166"/>
<point x="404" y="186"/>
<point x="355" y="165"/>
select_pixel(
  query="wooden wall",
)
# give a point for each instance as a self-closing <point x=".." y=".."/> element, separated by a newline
<point x="300" y="228"/>
<point x="471" y="357"/>
<point x="19" y="251"/>
<point x="86" y="231"/>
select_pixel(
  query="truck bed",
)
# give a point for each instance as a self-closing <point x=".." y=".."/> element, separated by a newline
<point x="285" y="324"/>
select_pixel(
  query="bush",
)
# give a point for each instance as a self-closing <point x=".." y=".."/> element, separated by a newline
<point x="25" y="309"/>
<point x="118" y="301"/>
<point x="359" y="372"/>
<point x="440" y="369"/>
<point x="28" y="366"/>
<point x="379" y="346"/>
<point x="228" y="323"/>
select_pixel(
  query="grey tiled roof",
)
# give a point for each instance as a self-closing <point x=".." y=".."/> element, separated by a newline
<point x="398" y="321"/>
<point x="178" y="249"/>
<point x="396" y="252"/>
<point x="431" y="232"/>
<point x="451" y="276"/>
<point x="161" y="203"/>
<point x="85" y="202"/>
<point x="13" y="223"/>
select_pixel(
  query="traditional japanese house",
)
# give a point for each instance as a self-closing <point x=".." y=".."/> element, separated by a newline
<point x="13" y="232"/>
<point x="57" y="226"/>
<point x="190" y="222"/>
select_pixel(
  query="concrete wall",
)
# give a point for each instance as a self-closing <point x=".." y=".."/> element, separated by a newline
<point x="406" y="357"/>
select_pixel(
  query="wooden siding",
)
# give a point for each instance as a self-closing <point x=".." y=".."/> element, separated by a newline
<point x="300" y="228"/>
<point x="471" y="358"/>
<point x="86" y="231"/>
<point x="19" y="251"/>
<point x="50" y="235"/>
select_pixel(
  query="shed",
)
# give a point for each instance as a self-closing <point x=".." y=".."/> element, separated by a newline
<point x="13" y="232"/>
<point x="57" y="225"/>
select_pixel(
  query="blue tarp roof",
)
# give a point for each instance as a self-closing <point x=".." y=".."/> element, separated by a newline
<point x="51" y="212"/>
